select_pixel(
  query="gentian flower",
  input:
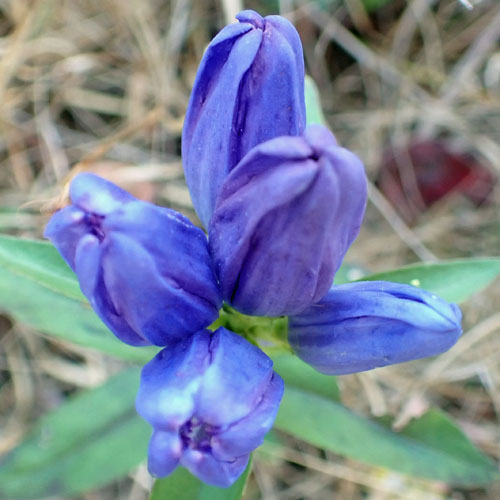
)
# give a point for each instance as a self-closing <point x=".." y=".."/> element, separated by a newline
<point x="364" y="325"/>
<point x="282" y="204"/>
<point x="145" y="270"/>
<point x="249" y="88"/>
<point x="284" y="219"/>
<point x="210" y="398"/>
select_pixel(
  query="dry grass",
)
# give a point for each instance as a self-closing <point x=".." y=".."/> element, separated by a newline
<point x="103" y="85"/>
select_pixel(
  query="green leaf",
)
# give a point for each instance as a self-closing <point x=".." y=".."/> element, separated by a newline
<point x="91" y="439"/>
<point x="430" y="448"/>
<point x="314" y="113"/>
<point x="298" y="374"/>
<point x="40" y="262"/>
<point x="182" y="485"/>
<point x="454" y="280"/>
<point x="436" y="429"/>
<point x="39" y="289"/>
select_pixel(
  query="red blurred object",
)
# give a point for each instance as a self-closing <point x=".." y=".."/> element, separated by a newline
<point x="421" y="173"/>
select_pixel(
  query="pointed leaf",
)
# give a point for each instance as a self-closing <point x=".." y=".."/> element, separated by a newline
<point x="298" y="374"/>
<point x="453" y="280"/>
<point x="91" y="439"/>
<point x="432" y="448"/>
<point x="40" y="262"/>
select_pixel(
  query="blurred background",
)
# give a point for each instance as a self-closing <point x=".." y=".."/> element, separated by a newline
<point x="413" y="87"/>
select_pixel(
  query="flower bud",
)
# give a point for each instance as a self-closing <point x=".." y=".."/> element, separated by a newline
<point x="145" y="270"/>
<point x="210" y="398"/>
<point x="364" y="325"/>
<point x="284" y="219"/>
<point x="249" y="88"/>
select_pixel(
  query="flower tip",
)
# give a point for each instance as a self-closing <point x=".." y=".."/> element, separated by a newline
<point x="319" y="138"/>
<point x="85" y="182"/>
<point x="95" y="194"/>
<point x="251" y="17"/>
<point x="449" y="313"/>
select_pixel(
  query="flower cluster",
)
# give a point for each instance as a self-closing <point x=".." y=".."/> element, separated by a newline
<point x="281" y="203"/>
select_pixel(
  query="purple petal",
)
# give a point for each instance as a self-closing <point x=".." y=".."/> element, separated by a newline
<point x="155" y="306"/>
<point x="211" y="471"/>
<point x="360" y="326"/>
<point x="94" y="194"/>
<point x="257" y="71"/>
<point x="87" y="260"/>
<point x="65" y="229"/>
<point x="235" y="380"/>
<point x="251" y="17"/>
<point x="208" y="125"/>
<point x="244" y="436"/>
<point x="171" y="380"/>
<point x="165" y="449"/>
<point x="312" y="197"/>
<point x="179" y="250"/>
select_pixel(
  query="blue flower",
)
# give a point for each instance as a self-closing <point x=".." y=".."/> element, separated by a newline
<point x="210" y="398"/>
<point x="364" y="325"/>
<point x="284" y="219"/>
<point x="249" y="88"/>
<point x="145" y="270"/>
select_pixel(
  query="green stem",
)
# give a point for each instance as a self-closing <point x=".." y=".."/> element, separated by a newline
<point x="270" y="334"/>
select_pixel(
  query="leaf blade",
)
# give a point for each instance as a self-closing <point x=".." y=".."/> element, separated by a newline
<point x="329" y="425"/>
<point x="298" y="374"/>
<point x="453" y="280"/>
<point x="40" y="262"/>
<point x="67" y="452"/>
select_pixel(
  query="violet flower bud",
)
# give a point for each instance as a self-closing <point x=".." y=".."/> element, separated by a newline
<point x="145" y="270"/>
<point x="364" y="325"/>
<point x="210" y="398"/>
<point x="249" y="88"/>
<point x="284" y="219"/>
